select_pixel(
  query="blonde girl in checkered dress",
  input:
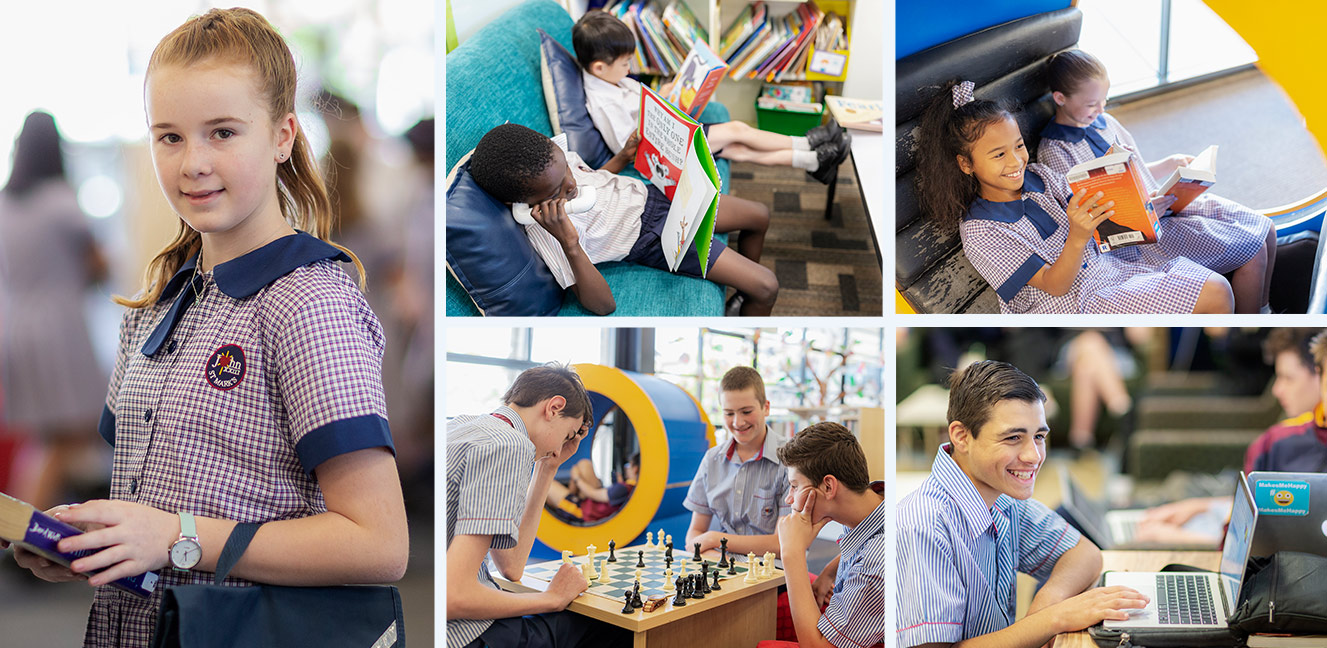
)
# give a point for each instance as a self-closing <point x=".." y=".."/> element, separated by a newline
<point x="1218" y="234"/>
<point x="248" y="386"/>
<point x="1027" y="236"/>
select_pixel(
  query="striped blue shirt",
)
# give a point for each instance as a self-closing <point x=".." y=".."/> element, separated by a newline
<point x="489" y="463"/>
<point x="744" y="497"/>
<point x="957" y="558"/>
<point x="855" y="616"/>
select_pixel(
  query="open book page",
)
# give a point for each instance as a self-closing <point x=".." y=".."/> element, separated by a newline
<point x="665" y="140"/>
<point x="691" y="216"/>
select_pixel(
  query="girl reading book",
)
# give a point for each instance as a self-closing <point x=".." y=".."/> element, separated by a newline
<point x="1219" y="234"/>
<point x="1024" y="232"/>
<point x="248" y="383"/>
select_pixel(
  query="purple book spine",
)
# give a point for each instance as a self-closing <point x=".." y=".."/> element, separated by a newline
<point x="45" y="532"/>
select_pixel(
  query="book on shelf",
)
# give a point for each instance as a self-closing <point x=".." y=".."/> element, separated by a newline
<point x="682" y="24"/>
<point x="859" y="114"/>
<point x="1121" y="180"/>
<point x="674" y="156"/>
<point x="697" y="79"/>
<point x="749" y="21"/>
<point x="758" y="46"/>
<point x="771" y="103"/>
<point x="1188" y="182"/>
<point x="23" y="525"/>
<point x="801" y="91"/>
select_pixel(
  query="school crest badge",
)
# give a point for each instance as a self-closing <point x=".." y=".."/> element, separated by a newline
<point x="225" y="369"/>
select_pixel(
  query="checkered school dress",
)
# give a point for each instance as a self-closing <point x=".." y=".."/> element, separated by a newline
<point x="1213" y="232"/>
<point x="1008" y="242"/>
<point x="224" y="407"/>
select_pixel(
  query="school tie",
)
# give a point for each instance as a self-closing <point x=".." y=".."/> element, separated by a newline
<point x="1004" y="563"/>
<point x="1038" y="217"/>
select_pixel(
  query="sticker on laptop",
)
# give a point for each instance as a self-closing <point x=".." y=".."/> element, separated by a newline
<point x="1281" y="497"/>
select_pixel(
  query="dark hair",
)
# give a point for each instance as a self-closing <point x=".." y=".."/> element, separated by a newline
<point x="634" y="459"/>
<point x="1319" y="347"/>
<point x="420" y="138"/>
<point x="827" y="449"/>
<point x="1066" y="70"/>
<point x="1294" y="340"/>
<point x="974" y="391"/>
<point x="538" y="384"/>
<point x="946" y="132"/>
<point x="37" y="156"/>
<point x="599" y="36"/>
<point x="739" y="378"/>
<point x="508" y="159"/>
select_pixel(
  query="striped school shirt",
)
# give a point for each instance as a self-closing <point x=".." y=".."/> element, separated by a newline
<point x="489" y="462"/>
<point x="855" y="616"/>
<point x="607" y="231"/>
<point x="742" y="497"/>
<point x="957" y="558"/>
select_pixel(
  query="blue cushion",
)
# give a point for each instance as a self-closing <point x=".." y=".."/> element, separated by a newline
<point x="565" y="96"/>
<point x="490" y="256"/>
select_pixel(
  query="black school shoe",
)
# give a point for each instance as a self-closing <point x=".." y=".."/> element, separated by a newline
<point x="824" y="133"/>
<point x="830" y="155"/>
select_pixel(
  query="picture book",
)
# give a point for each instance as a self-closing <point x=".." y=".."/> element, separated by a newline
<point x="799" y="91"/>
<point x="1116" y="176"/>
<point x="1188" y="182"/>
<point x="861" y="114"/>
<point x="26" y="527"/>
<point x="697" y="79"/>
<point x="674" y="156"/>
<point x="750" y="21"/>
<point x="682" y="25"/>
<point x="770" y="103"/>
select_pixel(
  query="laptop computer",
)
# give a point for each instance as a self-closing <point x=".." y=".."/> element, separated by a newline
<point x="1292" y="512"/>
<point x="1118" y="528"/>
<point x="1196" y="599"/>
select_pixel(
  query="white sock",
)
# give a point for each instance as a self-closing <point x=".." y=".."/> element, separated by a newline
<point x="800" y="144"/>
<point x="805" y="160"/>
<point x="1265" y="310"/>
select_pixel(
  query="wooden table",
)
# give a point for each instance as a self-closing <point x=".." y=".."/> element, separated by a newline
<point x="1140" y="561"/>
<point x="741" y="614"/>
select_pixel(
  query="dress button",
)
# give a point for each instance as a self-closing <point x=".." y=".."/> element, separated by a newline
<point x="147" y="416"/>
<point x="170" y="346"/>
<point x="133" y="486"/>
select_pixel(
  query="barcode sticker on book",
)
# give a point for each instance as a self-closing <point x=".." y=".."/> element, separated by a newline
<point x="1123" y="238"/>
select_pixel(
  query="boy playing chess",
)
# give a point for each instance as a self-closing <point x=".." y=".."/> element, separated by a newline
<point x="827" y="473"/>
<point x="493" y="508"/>
<point x="964" y="535"/>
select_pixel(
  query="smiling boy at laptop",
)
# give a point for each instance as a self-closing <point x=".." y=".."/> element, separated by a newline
<point x="969" y="529"/>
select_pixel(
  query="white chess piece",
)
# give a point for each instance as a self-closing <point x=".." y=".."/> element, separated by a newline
<point x="638" y="574"/>
<point x="662" y="544"/>
<point x="750" y="568"/>
<point x="668" y="579"/>
<point x="649" y="540"/>
<point x="566" y="556"/>
<point x="684" y="569"/>
<point x="587" y="572"/>
<point x="589" y="553"/>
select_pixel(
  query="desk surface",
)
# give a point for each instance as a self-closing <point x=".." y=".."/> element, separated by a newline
<point x="1140" y="561"/>
<point x="868" y="159"/>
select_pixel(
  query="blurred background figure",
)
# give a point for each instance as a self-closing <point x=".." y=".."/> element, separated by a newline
<point x="52" y="383"/>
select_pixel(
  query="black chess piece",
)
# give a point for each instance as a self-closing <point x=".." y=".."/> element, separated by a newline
<point x="612" y="544"/>
<point x="635" y="596"/>
<point x="680" y="599"/>
<point x="640" y="559"/>
<point x="628" y="608"/>
<point x="668" y="562"/>
<point x="732" y="566"/>
<point x="723" y="555"/>
<point x="696" y="590"/>
<point x="715" y="587"/>
<point x="696" y="557"/>
<point x="669" y="554"/>
<point x="704" y="579"/>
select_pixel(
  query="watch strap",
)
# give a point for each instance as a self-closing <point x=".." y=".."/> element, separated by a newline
<point x="188" y="528"/>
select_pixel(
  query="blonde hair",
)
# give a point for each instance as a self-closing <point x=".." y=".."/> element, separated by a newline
<point x="244" y="37"/>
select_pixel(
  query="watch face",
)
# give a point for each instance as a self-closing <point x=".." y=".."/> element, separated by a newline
<point x="185" y="554"/>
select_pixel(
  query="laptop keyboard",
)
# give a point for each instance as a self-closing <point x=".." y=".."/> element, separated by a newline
<point x="1184" y="599"/>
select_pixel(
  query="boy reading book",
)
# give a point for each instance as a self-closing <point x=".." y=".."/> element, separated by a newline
<point x="515" y="164"/>
<point x="972" y="526"/>
<point x="604" y="47"/>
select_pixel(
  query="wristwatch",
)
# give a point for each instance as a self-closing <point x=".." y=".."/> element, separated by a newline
<point x="186" y="552"/>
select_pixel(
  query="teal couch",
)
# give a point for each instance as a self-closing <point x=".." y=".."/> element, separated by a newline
<point x="493" y="78"/>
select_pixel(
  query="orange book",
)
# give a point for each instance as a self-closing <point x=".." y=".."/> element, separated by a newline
<point x="1188" y="182"/>
<point x="1116" y="176"/>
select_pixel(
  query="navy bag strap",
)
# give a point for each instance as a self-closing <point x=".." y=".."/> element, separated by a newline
<point x="239" y="540"/>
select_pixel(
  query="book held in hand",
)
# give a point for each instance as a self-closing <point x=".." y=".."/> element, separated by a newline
<point x="674" y="156"/>
<point x="1188" y="182"/>
<point x="1121" y="180"/>
<point x="26" y="527"/>
<point x="697" y="79"/>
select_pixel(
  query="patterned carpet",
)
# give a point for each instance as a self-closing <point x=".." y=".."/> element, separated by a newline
<point x="825" y="268"/>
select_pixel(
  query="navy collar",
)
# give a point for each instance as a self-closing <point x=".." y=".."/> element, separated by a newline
<point x="1014" y="210"/>
<point x="240" y="277"/>
<point x="1074" y="134"/>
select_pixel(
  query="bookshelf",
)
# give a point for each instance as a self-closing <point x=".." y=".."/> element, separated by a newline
<point x="715" y="16"/>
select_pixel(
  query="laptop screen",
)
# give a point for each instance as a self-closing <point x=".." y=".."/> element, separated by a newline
<point x="1239" y="536"/>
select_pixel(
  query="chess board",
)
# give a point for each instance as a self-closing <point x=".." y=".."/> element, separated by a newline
<point x="621" y="575"/>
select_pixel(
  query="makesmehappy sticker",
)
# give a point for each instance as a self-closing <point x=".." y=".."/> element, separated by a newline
<point x="225" y="368"/>
<point x="1281" y="497"/>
